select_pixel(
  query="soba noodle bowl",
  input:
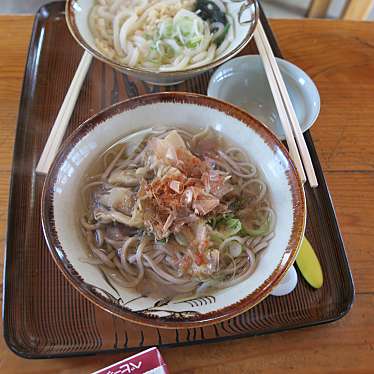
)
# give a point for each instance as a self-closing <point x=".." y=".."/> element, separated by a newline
<point x="179" y="212"/>
<point x="161" y="35"/>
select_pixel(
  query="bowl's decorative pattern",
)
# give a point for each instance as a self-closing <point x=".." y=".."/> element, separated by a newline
<point x="178" y="108"/>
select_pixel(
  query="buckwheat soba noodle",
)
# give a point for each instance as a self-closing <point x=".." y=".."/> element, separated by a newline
<point x="178" y="212"/>
<point x="161" y="35"/>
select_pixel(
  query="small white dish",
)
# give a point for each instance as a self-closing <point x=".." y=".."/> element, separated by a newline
<point x="287" y="284"/>
<point x="242" y="81"/>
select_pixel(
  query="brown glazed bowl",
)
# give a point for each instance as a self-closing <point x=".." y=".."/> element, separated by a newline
<point x="61" y="201"/>
<point x="244" y="14"/>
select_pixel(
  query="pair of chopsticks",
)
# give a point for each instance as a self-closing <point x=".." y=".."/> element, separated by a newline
<point x="291" y="127"/>
<point x="62" y="120"/>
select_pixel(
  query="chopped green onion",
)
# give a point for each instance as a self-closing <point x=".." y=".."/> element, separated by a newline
<point x="216" y="237"/>
<point x="224" y="227"/>
<point x="166" y="29"/>
<point x="229" y="226"/>
<point x="263" y="230"/>
<point x="194" y="42"/>
<point x="221" y="37"/>
<point x="235" y="249"/>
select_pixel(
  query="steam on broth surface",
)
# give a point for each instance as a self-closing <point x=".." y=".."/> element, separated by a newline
<point x="178" y="213"/>
<point x="161" y="35"/>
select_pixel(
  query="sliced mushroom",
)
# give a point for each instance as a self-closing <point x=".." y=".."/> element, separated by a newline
<point x="126" y="178"/>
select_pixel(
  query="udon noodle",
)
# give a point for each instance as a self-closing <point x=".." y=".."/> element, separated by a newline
<point x="161" y="35"/>
<point x="179" y="212"/>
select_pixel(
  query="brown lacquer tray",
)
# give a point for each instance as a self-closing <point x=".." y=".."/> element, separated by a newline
<point x="43" y="315"/>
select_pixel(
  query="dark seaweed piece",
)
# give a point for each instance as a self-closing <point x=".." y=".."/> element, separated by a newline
<point x="209" y="11"/>
<point x="221" y="37"/>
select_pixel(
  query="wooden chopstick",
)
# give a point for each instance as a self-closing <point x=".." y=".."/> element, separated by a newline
<point x="268" y="56"/>
<point x="63" y="117"/>
<point x="280" y="107"/>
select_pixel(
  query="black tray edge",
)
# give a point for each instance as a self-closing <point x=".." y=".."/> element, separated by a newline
<point x="43" y="11"/>
<point x="321" y="179"/>
<point x="26" y="355"/>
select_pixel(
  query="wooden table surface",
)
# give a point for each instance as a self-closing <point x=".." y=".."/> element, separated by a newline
<point x="339" y="56"/>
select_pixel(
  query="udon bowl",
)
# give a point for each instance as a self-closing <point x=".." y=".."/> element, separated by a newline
<point x="61" y="200"/>
<point x="245" y="15"/>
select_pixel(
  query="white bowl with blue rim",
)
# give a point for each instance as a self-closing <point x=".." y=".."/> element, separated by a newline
<point x="242" y="81"/>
